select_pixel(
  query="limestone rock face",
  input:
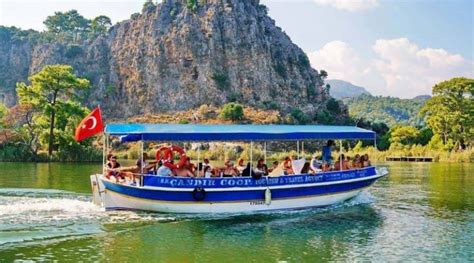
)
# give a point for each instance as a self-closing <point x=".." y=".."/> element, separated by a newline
<point x="174" y="57"/>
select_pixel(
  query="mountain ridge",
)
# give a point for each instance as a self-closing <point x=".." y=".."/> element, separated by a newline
<point x="173" y="58"/>
<point x="344" y="89"/>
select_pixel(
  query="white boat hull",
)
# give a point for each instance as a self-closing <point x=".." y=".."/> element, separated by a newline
<point x="118" y="201"/>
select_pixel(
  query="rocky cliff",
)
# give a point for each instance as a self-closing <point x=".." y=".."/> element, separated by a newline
<point x="172" y="57"/>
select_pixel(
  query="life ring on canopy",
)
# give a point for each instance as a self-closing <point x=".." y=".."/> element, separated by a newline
<point x="199" y="193"/>
<point x="168" y="154"/>
<point x="161" y="152"/>
<point x="168" y="164"/>
<point x="181" y="152"/>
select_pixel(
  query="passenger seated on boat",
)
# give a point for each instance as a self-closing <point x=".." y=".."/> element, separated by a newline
<point x="240" y="165"/>
<point x="148" y="167"/>
<point x="262" y="167"/>
<point x="189" y="167"/>
<point x="349" y="162"/>
<point x="206" y="172"/>
<point x="183" y="172"/>
<point x="207" y="163"/>
<point x="274" y="166"/>
<point x="325" y="167"/>
<point x="307" y="169"/>
<point x="248" y="171"/>
<point x="356" y="162"/>
<point x="338" y="165"/>
<point x="229" y="169"/>
<point x="366" y="161"/>
<point x="166" y="169"/>
<point x="287" y="166"/>
<point x="112" y="167"/>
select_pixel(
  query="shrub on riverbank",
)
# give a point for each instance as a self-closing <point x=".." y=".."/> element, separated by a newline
<point x="417" y="151"/>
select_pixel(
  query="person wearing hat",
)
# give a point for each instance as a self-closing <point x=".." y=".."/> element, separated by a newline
<point x="230" y="170"/>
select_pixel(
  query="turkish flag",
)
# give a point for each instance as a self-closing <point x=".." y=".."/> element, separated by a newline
<point x="90" y="125"/>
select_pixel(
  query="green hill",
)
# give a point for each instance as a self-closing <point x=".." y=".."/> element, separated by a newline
<point x="389" y="110"/>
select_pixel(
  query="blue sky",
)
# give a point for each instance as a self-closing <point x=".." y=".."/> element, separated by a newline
<point x="398" y="48"/>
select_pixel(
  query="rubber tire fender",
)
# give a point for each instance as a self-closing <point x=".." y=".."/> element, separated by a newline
<point x="199" y="194"/>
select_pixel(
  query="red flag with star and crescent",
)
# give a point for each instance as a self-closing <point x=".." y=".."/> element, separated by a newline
<point x="91" y="125"/>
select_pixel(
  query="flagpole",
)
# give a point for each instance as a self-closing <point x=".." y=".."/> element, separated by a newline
<point x="141" y="154"/>
<point x="104" y="154"/>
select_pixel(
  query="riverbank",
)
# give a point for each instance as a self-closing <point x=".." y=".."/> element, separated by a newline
<point x="466" y="156"/>
<point x="221" y="153"/>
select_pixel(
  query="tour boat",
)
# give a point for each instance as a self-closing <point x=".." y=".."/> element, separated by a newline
<point x="233" y="194"/>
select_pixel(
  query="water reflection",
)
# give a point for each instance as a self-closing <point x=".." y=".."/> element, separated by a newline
<point x="451" y="187"/>
<point x="295" y="236"/>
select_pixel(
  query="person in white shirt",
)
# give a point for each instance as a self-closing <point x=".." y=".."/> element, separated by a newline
<point x="165" y="169"/>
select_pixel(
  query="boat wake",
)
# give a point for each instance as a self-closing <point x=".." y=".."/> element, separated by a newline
<point x="28" y="215"/>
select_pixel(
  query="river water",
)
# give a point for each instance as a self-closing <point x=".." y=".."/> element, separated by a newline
<point x="421" y="212"/>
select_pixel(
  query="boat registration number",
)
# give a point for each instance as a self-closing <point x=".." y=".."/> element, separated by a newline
<point x="257" y="203"/>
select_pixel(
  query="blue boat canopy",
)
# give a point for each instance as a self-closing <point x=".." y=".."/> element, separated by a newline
<point x="223" y="132"/>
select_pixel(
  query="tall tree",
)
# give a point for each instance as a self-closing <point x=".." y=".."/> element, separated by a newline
<point x="3" y="112"/>
<point x="148" y="6"/>
<point x="450" y="112"/>
<point x="101" y="24"/>
<point x="323" y="74"/>
<point x="69" y="23"/>
<point x="404" y="134"/>
<point x="20" y="120"/>
<point x="51" y="89"/>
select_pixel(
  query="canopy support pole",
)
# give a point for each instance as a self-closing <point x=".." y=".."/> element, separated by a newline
<point x="141" y="155"/>
<point x="225" y="153"/>
<point x="375" y="141"/>
<point x="340" y="155"/>
<point x="251" y="157"/>
<point x="104" y="154"/>
<point x="302" y="149"/>
<point x="265" y="152"/>
<point x="199" y="153"/>
<point x="297" y="149"/>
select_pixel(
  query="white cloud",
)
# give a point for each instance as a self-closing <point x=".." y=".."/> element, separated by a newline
<point x="336" y="55"/>
<point x="349" y="5"/>
<point x="400" y="68"/>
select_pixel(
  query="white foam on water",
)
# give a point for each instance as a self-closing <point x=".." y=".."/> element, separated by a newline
<point x="364" y="197"/>
<point x="33" y="209"/>
<point x="29" y="215"/>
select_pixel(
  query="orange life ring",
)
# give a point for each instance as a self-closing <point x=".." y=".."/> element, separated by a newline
<point x="168" y="154"/>
<point x="159" y="155"/>
<point x="182" y="155"/>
